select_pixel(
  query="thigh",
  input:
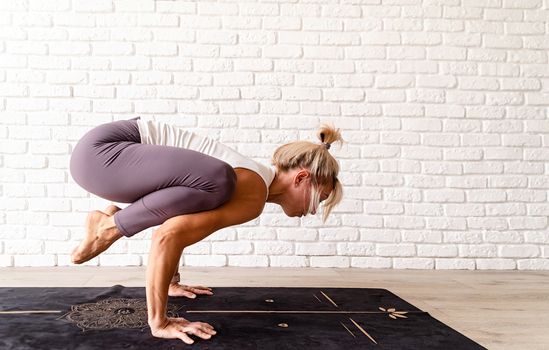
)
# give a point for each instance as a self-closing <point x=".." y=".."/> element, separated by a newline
<point x="246" y="204"/>
<point x="124" y="171"/>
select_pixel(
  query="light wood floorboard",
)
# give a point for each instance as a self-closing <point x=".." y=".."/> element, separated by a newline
<point x="498" y="309"/>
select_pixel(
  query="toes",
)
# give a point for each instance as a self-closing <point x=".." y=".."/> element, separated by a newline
<point x="77" y="259"/>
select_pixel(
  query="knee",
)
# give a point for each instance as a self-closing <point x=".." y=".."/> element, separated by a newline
<point x="226" y="183"/>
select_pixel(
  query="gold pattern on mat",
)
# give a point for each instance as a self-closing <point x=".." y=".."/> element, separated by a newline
<point x="348" y="330"/>
<point x="393" y="313"/>
<point x="113" y="313"/>
<point x="362" y="330"/>
<point x="317" y="298"/>
<point x="20" y="312"/>
<point x="327" y="297"/>
<point x="284" y="312"/>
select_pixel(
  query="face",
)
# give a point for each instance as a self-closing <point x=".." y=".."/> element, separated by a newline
<point x="299" y="195"/>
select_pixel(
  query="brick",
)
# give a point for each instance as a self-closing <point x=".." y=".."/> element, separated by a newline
<point x="371" y="263"/>
<point x="413" y="263"/>
<point x="259" y="9"/>
<point x="95" y="6"/>
<point x="23" y="247"/>
<point x="338" y="234"/>
<point x="298" y="10"/>
<point x="156" y="20"/>
<point x="496" y="264"/>
<point x="119" y="260"/>
<point x="205" y="260"/>
<point x="34" y="260"/>
<point x="176" y="7"/>
<point x="135" y="5"/>
<point x="455" y="264"/>
<point x="273" y="248"/>
<point x="356" y="249"/>
<point x="231" y="247"/>
<point x="530" y="264"/>
<point x="254" y="233"/>
<point x="248" y="261"/>
<point x="315" y="248"/>
<point x="216" y="37"/>
<point x="286" y="261"/>
<point x="328" y="261"/>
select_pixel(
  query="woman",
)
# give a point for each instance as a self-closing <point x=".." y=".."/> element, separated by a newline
<point x="192" y="186"/>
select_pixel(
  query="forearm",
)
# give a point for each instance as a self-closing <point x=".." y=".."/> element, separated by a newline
<point x="163" y="261"/>
<point x="166" y="247"/>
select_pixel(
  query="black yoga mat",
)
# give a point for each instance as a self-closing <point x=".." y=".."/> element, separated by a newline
<point x="244" y="318"/>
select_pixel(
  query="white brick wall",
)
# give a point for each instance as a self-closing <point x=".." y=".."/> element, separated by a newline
<point x="443" y="104"/>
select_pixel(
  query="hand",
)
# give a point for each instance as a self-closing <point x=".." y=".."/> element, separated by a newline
<point x="179" y="328"/>
<point x="181" y="290"/>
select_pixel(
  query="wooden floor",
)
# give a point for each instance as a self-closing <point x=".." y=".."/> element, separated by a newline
<point x="498" y="309"/>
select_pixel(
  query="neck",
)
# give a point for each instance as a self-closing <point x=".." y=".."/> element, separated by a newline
<point x="277" y="188"/>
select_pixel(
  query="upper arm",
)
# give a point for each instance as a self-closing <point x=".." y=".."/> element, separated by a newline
<point x="246" y="203"/>
<point x="236" y="213"/>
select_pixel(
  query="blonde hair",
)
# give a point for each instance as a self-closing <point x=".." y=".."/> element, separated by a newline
<point x="317" y="159"/>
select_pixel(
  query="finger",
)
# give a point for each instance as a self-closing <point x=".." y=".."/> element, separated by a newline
<point x="204" y="335"/>
<point x="208" y="330"/>
<point x="197" y="331"/>
<point x="202" y="287"/>
<point x="201" y="291"/>
<point x="185" y="338"/>
<point x="206" y="326"/>
<point x="206" y="289"/>
<point x="189" y="294"/>
<point x="196" y="287"/>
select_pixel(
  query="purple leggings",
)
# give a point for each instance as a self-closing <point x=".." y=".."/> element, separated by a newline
<point x="160" y="182"/>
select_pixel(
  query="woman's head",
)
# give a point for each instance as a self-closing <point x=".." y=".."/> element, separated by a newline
<point x="315" y="169"/>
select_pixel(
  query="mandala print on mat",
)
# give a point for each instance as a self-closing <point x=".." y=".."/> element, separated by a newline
<point x="113" y="313"/>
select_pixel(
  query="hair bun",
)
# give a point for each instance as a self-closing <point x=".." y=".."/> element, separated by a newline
<point x="328" y="134"/>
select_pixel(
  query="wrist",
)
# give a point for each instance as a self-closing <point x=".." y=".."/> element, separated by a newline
<point x="176" y="278"/>
<point x="158" y="323"/>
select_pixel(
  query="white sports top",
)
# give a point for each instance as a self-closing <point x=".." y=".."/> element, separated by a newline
<point x="158" y="133"/>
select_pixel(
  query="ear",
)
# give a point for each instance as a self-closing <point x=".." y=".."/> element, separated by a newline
<point x="301" y="176"/>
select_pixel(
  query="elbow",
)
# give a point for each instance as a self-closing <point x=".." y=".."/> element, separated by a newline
<point x="163" y="238"/>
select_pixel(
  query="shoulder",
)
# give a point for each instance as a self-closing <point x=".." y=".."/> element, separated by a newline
<point x="251" y="183"/>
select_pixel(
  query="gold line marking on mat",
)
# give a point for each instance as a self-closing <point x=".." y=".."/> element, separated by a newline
<point x="317" y="298"/>
<point x="363" y="331"/>
<point x="290" y="312"/>
<point x="348" y="330"/>
<point x="327" y="297"/>
<point x="30" y="312"/>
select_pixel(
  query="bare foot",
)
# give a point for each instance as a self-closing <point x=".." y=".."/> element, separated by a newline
<point x="111" y="209"/>
<point x="181" y="290"/>
<point x="101" y="233"/>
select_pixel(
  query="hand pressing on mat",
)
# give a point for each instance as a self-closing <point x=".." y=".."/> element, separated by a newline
<point x="180" y="328"/>
<point x="181" y="290"/>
